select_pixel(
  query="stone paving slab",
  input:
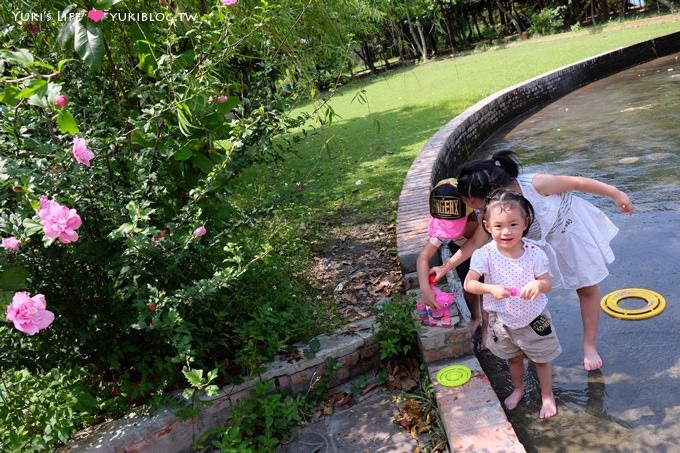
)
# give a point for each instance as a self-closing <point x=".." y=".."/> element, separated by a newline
<point x="472" y="414"/>
<point x="364" y="427"/>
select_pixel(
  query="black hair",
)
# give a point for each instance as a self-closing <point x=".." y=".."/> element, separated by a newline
<point x="506" y="197"/>
<point x="477" y="178"/>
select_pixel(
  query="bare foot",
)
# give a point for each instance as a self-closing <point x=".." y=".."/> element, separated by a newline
<point x="549" y="408"/>
<point x="591" y="359"/>
<point x="513" y="400"/>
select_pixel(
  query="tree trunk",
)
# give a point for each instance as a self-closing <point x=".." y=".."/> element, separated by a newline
<point x="418" y="39"/>
<point x="423" y="43"/>
<point x="506" y="14"/>
<point x="604" y="10"/>
<point x="449" y="33"/>
<point x="474" y="21"/>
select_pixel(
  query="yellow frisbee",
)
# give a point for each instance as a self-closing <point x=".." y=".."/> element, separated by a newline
<point x="655" y="304"/>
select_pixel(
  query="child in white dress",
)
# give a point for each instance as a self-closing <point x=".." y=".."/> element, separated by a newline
<point x="516" y="279"/>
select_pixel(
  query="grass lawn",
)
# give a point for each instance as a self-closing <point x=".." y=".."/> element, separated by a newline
<point x="354" y="168"/>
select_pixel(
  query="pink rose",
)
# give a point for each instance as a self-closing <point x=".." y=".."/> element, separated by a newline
<point x="81" y="152"/>
<point x="60" y="101"/>
<point x="200" y="231"/>
<point x="28" y="313"/>
<point x="229" y="2"/>
<point x="58" y="221"/>
<point x="11" y="243"/>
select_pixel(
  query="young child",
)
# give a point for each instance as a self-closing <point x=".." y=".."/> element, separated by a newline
<point x="450" y="220"/>
<point x="515" y="282"/>
<point x="571" y="231"/>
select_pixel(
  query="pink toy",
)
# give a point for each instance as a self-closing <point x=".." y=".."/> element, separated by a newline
<point x="443" y="300"/>
<point x="514" y="291"/>
<point x="440" y="317"/>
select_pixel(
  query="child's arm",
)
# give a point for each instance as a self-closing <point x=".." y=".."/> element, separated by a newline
<point x="551" y="184"/>
<point x="474" y="286"/>
<point x="423" y="270"/>
<point x="478" y="239"/>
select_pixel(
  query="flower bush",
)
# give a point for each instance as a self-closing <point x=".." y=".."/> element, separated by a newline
<point x="119" y="144"/>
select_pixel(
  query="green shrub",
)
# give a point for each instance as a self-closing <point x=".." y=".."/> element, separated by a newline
<point x="547" y="21"/>
<point x="41" y="410"/>
<point x="396" y="330"/>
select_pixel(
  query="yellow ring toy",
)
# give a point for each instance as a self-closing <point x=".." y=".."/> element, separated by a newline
<point x="655" y="304"/>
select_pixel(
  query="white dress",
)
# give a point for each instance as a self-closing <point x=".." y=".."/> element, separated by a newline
<point x="574" y="234"/>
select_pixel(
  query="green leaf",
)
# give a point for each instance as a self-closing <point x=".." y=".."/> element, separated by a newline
<point x="103" y="4"/>
<point x="8" y="96"/>
<point x="315" y="345"/>
<point x="195" y="377"/>
<point x="38" y="101"/>
<point x="67" y="123"/>
<point x="147" y="60"/>
<point x="183" y="154"/>
<point x="62" y="63"/>
<point x="88" y="43"/>
<point x="32" y="226"/>
<point x="33" y="87"/>
<point x="202" y="162"/>
<point x="22" y="57"/>
<point x="184" y="60"/>
<point x="5" y="299"/>
<point x="183" y="115"/>
<point x="67" y="32"/>
<point x="13" y="278"/>
<point x="139" y="138"/>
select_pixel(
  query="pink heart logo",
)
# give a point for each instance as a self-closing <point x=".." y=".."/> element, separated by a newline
<point x="95" y="15"/>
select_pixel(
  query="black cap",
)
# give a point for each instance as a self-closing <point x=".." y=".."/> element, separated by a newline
<point x="445" y="201"/>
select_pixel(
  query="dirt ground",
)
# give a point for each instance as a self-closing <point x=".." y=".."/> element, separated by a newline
<point x="358" y="267"/>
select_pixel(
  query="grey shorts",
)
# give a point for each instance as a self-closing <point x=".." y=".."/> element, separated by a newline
<point x="538" y="341"/>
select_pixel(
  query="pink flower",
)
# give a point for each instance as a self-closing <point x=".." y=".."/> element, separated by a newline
<point x="58" y="221"/>
<point x="11" y="243"/>
<point x="60" y="101"/>
<point x="229" y="2"/>
<point x="28" y="313"/>
<point x="200" y="231"/>
<point x="222" y="99"/>
<point x="81" y="152"/>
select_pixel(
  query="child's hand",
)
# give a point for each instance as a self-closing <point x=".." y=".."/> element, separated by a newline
<point x="623" y="202"/>
<point x="499" y="291"/>
<point x="531" y="290"/>
<point x="427" y="297"/>
<point x="439" y="272"/>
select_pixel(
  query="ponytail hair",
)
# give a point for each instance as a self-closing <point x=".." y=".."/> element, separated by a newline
<point x="477" y="178"/>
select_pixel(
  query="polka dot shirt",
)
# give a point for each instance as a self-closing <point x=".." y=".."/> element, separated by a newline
<point x="497" y="269"/>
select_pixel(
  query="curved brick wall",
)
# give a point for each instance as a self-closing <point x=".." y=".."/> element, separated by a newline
<point x="453" y="144"/>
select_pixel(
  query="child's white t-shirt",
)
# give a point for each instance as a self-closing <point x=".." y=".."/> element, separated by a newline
<point x="498" y="269"/>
